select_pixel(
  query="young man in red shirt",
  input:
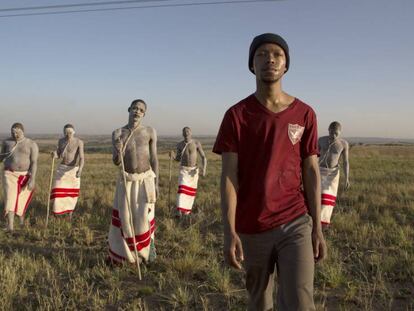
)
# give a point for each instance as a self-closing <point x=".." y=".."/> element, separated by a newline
<point x="270" y="185"/>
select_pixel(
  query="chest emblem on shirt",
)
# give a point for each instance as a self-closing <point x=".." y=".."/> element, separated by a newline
<point x="295" y="132"/>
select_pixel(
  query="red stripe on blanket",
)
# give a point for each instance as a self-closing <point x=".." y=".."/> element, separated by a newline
<point x="115" y="213"/>
<point x="21" y="182"/>
<point x="325" y="223"/>
<point x="76" y="190"/>
<point x="116" y="222"/>
<point x="191" y="194"/>
<point x="29" y="199"/>
<point x="140" y="245"/>
<point x="152" y="225"/>
<point x="116" y="255"/>
<point x="185" y="211"/>
<point x="328" y="196"/>
<point x="139" y="238"/>
<point x="64" y="195"/>
<point x="187" y="188"/>
<point x="64" y="212"/>
<point x="326" y="202"/>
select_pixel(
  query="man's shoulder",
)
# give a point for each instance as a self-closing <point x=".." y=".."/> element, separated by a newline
<point x="150" y="130"/>
<point x="344" y="142"/>
<point x="242" y="104"/>
<point x="299" y="104"/>
<point x="30" y="142"/>
<point x="80" y="141"/>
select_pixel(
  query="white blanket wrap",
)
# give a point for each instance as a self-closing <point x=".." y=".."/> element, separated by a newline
<point x="141" y="195"/>
<point x="187" y="188"/>
<point x="65" y="190"/>
<point x="329" y="189"/>
<point x="17" y="196"/>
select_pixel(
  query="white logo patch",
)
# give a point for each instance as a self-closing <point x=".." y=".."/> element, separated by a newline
<point x="295" y="132"/>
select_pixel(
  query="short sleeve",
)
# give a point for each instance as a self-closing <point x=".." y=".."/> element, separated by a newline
<point x="227" y="138"/>
<point x="309" y="141"/>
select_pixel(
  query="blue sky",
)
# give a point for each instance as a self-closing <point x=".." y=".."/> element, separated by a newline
<point x="351" y="60"/>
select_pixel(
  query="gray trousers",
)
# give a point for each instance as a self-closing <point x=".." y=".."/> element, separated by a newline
<point x="289" y="248"/>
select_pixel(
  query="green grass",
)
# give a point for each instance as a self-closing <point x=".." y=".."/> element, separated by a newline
<point x="370" y="264"/>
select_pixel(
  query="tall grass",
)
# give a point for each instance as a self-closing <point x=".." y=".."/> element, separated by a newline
<point x="370" y="264"/>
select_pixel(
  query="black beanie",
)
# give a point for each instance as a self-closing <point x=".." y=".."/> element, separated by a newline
<point x="268" y="38"/>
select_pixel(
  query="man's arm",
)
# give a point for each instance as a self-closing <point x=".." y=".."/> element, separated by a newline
<point x="312" y="187"/>
<point x="3" y="152"/>
<point x="203" y="158"/>
<point x="177" y="154"/>
<point x="154" y="157"/>
<point x="81" y="159"/>
<point x="233" y="251"/>
<point x="34" y="154"/>
<point x="346" y="164"/>
<point x="116" y="147"/>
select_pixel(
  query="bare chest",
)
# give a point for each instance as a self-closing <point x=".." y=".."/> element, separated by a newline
<point x="69" y="147"/>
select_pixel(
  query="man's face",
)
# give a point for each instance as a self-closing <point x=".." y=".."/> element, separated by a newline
<point x="269" y="62"/>
<point x="137" y="111"/>
<point x="69" y="132"/>
<point x="334" y="132"/>
<point x="186" y="133"/>
<point x="17" y="133"/>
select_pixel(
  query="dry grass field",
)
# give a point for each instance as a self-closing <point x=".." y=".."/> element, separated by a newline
<point x="371" y="249"/>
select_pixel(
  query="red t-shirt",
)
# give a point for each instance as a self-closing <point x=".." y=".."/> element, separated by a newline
<point x="270" y="148"/>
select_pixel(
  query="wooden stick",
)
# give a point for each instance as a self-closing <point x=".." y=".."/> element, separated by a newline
<point x="50" y="190"/>
<point x="169" y="181"/>
<point x="131" y="220"/>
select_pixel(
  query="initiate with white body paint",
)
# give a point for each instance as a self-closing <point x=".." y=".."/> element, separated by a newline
<point x="331" y="148"/>
<point x="19" y="155"/>
<point x="66" y="185"/>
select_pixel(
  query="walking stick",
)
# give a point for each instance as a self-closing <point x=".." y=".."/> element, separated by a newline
<point x="169" y="181"/>
<point x="50" y="191"/>
<point x="131" y="220"/>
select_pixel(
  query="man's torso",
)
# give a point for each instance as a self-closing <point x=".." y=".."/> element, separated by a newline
<point x="137" y="155"/>
<point x="330" y="151"/>
<point x="270" y="152"/>
<point x="69" y="150"/>
<point x="19" y="159"/>
<point x="188" y="153"/>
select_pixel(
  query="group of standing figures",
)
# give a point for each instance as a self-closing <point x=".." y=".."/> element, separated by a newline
<point x="135" y="151"/>
<point x="279" y="183"/>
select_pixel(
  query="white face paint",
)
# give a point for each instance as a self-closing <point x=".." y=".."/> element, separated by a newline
<point x="334" y="132"/>
<point x="69" y="132"/>
<point x="17" y="133"/>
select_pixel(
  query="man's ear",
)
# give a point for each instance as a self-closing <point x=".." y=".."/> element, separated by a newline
<point x="129" y="109"/>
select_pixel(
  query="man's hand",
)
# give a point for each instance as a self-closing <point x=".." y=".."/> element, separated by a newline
<point x="30" y="184"/>
<point x="78" y="173"/>
<point x="54" y="155"/>
<point x="233" y="250"/>
<point x="203" y="172"/>
<point x="347" y="184"/>
<point x="320" y="250"/>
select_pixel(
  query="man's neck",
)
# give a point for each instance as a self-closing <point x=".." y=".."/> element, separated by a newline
<point x="271" y="96"/>
<point x="19" y="139"/>
<point x="187" y="139"/>
<point x="133" y="124"/>
<point x="332" y="139"/>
